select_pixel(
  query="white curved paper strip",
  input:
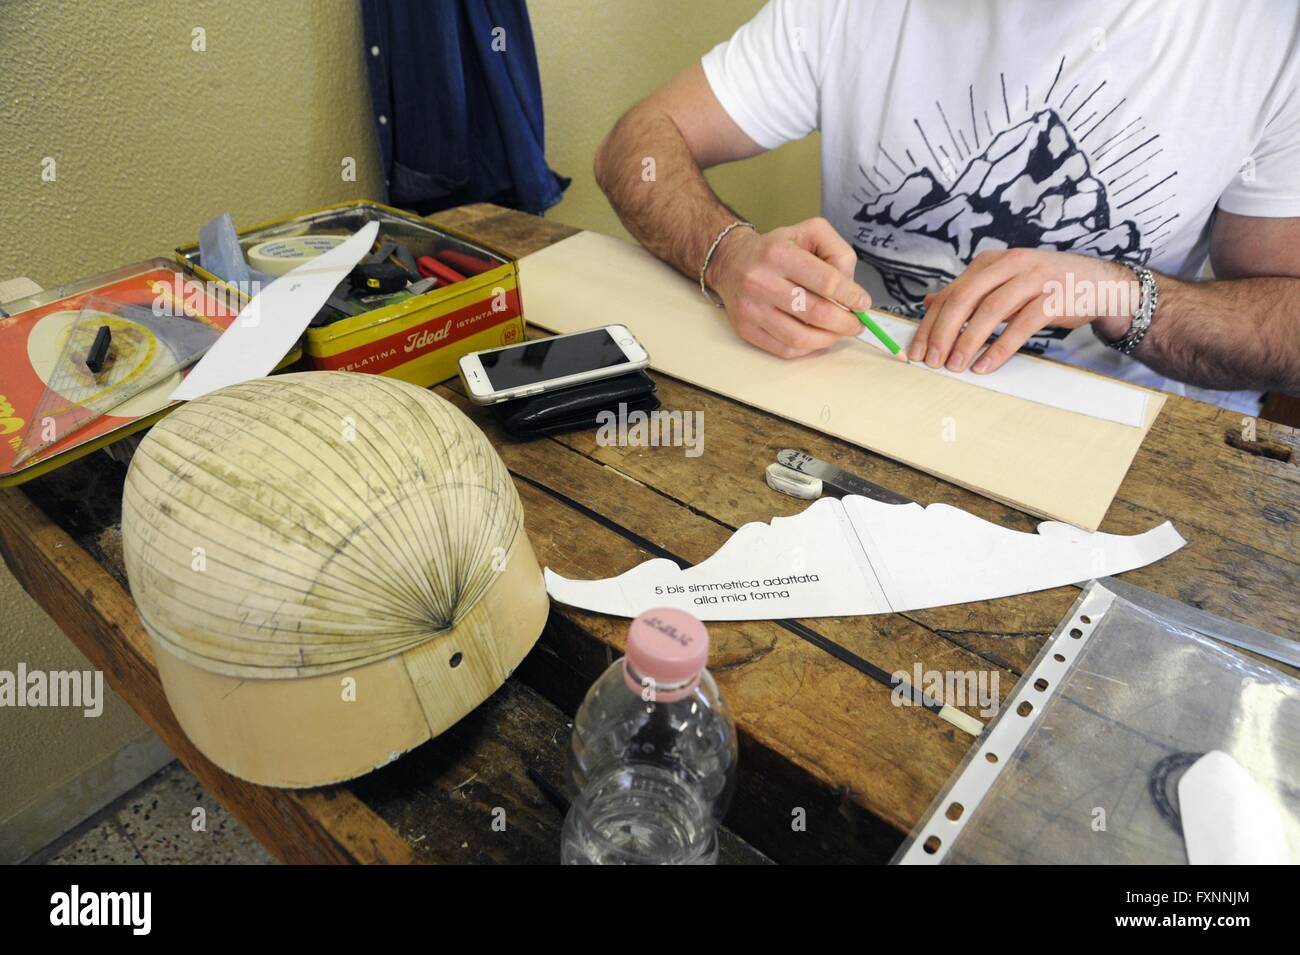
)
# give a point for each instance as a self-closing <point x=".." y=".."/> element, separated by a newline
<point x="268" y="325"/>
<point x="859" y="556"/>
<point x="1228" y="817"/>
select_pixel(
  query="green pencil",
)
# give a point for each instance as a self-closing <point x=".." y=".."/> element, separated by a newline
<point x="880" y="334"/>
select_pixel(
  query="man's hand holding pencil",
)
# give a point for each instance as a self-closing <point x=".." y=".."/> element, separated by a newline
<point x="789" y="291"/>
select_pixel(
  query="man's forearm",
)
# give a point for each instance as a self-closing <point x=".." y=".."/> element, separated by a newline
<point x="658" y="190"/>
<point x="786" y="290"/>
<point x="1238" y="333"/>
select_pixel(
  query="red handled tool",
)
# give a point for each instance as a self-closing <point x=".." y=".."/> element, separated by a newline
<point x="464" y="262"/>
<point x="431" y="268"/>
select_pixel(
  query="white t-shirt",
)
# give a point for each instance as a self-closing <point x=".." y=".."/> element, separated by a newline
<point x="1112" y="128"/>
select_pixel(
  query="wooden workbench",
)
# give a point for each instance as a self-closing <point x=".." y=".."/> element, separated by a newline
<point x="818" y="729"/>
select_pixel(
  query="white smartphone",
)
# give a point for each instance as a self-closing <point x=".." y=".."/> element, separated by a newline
<point x="547" y="364"/>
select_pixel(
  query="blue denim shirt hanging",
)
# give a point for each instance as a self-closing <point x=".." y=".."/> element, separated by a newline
<point x="458" y="104"/>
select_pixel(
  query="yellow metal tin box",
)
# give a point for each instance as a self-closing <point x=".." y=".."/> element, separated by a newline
<point x="417" y="338"/>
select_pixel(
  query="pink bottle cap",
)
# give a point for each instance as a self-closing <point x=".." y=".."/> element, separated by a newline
<point x="669" y="647"/>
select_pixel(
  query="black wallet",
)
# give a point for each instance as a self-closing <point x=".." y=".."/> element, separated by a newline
<point x="576" y="408"/>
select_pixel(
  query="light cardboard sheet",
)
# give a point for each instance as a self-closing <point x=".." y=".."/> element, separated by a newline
<point x="1051" y="440"/>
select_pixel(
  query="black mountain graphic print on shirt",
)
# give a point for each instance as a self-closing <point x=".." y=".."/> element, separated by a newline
<point x="1031" y="187"/>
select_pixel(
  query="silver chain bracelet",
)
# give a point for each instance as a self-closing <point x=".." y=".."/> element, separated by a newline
<point x="1148" y="298"/>
<point x="708" y="257"/>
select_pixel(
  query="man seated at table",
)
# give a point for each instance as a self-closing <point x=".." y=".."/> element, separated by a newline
<point x="1065" y="169"/>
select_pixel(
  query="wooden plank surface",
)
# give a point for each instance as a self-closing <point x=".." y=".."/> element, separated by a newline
<point x="491" y="788"/>
<point x="818" y="726"/>
<point x="1239" y="512"/>
<point x="502" y="766"/>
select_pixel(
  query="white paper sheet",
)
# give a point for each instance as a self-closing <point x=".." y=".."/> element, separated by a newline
<point x="1228" y="818"/>
<point x="268" y="325"/>
<point x="1034" y="380"/>
<point x="855" y="556"/>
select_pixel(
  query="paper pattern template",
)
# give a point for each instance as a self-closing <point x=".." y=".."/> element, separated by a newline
<point x="841" y="558"/>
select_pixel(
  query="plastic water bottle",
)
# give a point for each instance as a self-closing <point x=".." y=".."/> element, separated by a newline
<point x="653" y="757"/>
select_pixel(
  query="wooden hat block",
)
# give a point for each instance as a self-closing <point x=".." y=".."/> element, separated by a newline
<point x="332" y="568"/>
<point x="301" y="732"/>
